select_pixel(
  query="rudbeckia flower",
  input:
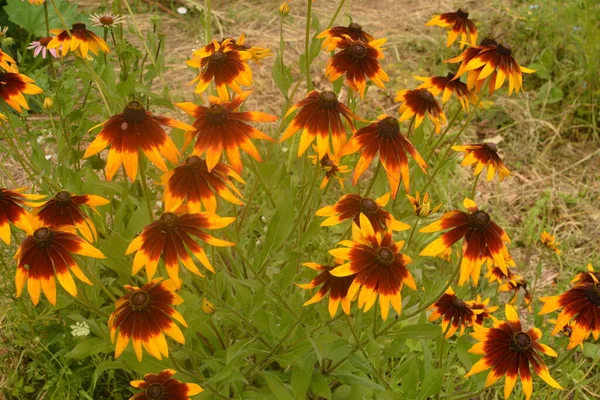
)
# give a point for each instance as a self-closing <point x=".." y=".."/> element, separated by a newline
<point x="108" y="21"/>
<point x="379" y="268"/>
<point x="225" y="63"/>
<point x="483" y="240"/>
<point x="332" y="167"/>
<point x="14" y="85"/>
<point x="384" y="137"/>
<point x="80" y="41"/>
<point x="422" y="208"/>
<point x="192" y="181"/>
<point x="495" y="274"/>
<point x="163" y="387"/>
<point x="172" y="236"/>
<point x="320" y="113"/>
<point x="586" y="277"/>
<point x="65" y="209"/>
<point x="336" y="286"/>
<point x="483" y="311"/>
<point x="420" y="103"/>
<point x="550" y="242"/>
<point x="447" y="86"/>
<point x="459" y="24"/>
<point x="456" y="313"/>
<point x="581" y="304"/>
<point x="220" y="128"/>
<point x="47" y="253"/>
<point x="132" y="130"/>
<point x="144" y="316"/>
<point x="358" y="60"/>
<point x="41" y="46"/>
<point x="481" y="156"/>
<point x="354" y="31"/>
<point x="6" y="61"/>
<point x="258" y="53"/>
<point x="492" y="59"/>
<point x="12" y="211"/>
<point x="509" y="350"/>
<point x="515" y="284"/>
<point x="353" y="206"/>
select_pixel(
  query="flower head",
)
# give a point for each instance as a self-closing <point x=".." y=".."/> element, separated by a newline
<point x="224" y="62"/>
<point x="447" y="86"/>
<point x="379" y="268"/>
<point x="384" y="136"/>
<point x="108" y="20"/>
<point x="284" y="9"/>
<point x="172" y="236"/>
<point x="12" y="211"/>
<point x="586" y="277"/>
<point x="490" y="59"/>
<point x="132" y="130"/>
<point x="514" y="284"/>
<point x="358" y="60"/>
<point x="47" y="253"/>
<point x="336" y="286"/>
<point x="192" y="181"/>
<point x="208" y="307"/>
<point x="220" y="128"/>
<point x="65" y="209"/>
<point x="456" y="313"/>
<point x="420" y="103"/>
<point x="483" y="240"/>
<point x="320" y="113"/>
<point x="163" y="387"/>
<point x="354" y="31"/>
<point x="79" y="40"/>
<point x="422" y="208"/>
<point x="332" y="167"/>
<point x="481" y="156"/>
<point x="581" y="304"/>
<point x="144" y="316"/>
<point x="483" y="310"/>
<point x="550" y="242"/>
<point x="41" y="46"/>
<point x="353" y="206"/>
<point x="509" y="351"/>
<point x="458" y="23"/>
<point x="14" y="85"/>
<point x="6" y="61"/>
<point x="258" y="53"/>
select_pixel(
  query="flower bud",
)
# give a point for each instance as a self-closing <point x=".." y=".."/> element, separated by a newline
<point x="48" y="103"/>
<point x="284" y="9"/>
<point x="208" y="307"/>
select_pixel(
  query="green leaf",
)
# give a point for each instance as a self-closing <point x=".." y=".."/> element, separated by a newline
<point x="88" y="348"/>
<point x="301" y="377"/>
<point x="419" y="331"/>
<point x="319" y="386"/>
<point x="431" y="384"/>
<point x="409" y="382"/>
<point x="277" y="387"/>
<point x="359" y="380"/>
<point x="31" y="18"/>
<point x="282" y="76"/>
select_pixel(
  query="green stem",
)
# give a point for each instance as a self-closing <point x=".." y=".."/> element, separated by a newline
<point x="307" y="45"/>
<point x="306" y="201"/>
<point x="443" y="135"/>
<point x="474" y="188"/>
<point x="145" y="190"/>
<point x="337" y="12"/>
<point x="254" y="169"/>
<point x="412" y="232"/>
<point x="373" y="179"/>
<point x="208" y="20"/>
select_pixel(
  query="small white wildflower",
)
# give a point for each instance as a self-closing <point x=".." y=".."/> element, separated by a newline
<point x="48" y="156"/>
<point x="159" y="204"/>
<point x="258" y="242"/>
<point x="284" y="149"/>
<point x="80" y="329"/>
<point x="263" y="219"/>
<point x="182" y="10"/>
<point x="265" y="229"/>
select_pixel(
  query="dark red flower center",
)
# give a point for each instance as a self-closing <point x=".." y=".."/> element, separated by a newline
<point x="368" y="206"/>
<point x="328" y="100"/>
<point x="134" y="112"/>
<point x="155" y="391"/>
<point x="458" y="303"/>
<point x="43" y="236"/>
<point x="593" y="294"/>
<point x="45" y="40"/>
<point x="385" y="255"/>
<point x="450" y="76"/>
<point x="504" y="49"/>
<point x="218" y="56"/>
<point x="194" y="162"/>
<point x="488" y="41"/>
<point x="388" y="128"/>
<point x="521" y="342"/>
<point x="355" y="27"/>
<point x="63" y="197"/>
<point x="489" y="146"/>
<point x="169" y="222"/>
<point x="358" y="50"/>
<point x="462" y="14"/>
<point x="216" y="114"/>
<point x="327" y="162"/>
<point x="139" y="301"/>
<point x="427" y="96"/>
<point x="479" y="220"/>
<point x="78" y="25"/>
<point x="107" y="20"/>
<point x="567" y="330"/>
